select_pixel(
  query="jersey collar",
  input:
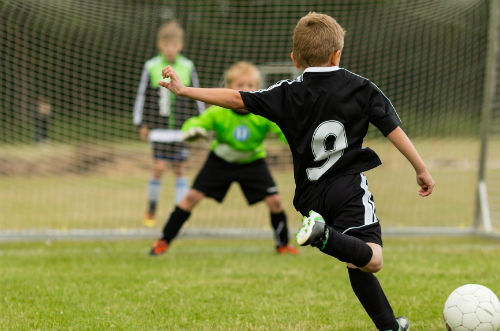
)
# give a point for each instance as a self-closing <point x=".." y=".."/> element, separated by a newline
<point x="165" y="60"/>
<point x="321" y="69"/>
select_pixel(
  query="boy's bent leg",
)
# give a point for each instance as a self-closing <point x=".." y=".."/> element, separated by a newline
<point x="172" y="227"/>
<point x="345" y="248"/>
<point x="176" y="220"/>
<point x="377" y="261"/>
<point x="174" y="224"/>
<point x="369" y="292"/>
<point x="154" y="187"/>
<point x="181" y="182"/>
<point x="279" y="225"/>
<point x="181" y="214"/>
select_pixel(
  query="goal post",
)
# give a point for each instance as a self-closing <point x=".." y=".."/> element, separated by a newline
<point x="490" y="109"/>
<point x="72" y="164"/>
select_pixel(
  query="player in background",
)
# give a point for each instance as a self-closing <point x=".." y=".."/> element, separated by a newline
<point x="237" y="155"/>
<point x="42" y="114"/>
<point x="160" y="114"/>
<point x="324" y="114"/>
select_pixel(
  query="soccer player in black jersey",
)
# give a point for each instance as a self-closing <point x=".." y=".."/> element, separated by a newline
<point x="324" y="114"/>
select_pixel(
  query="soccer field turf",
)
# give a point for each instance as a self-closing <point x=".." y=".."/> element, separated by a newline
<point x="215" y="284"/>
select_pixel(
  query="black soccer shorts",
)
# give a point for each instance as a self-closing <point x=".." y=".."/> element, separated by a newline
<point x="216" y="176"/>
<point x="348" y="206"/>
<point x="172" y="151"/>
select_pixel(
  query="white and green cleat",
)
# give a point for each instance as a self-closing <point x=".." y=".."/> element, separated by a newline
<point x="312" y="230"/>
<point x="404" y="324"/>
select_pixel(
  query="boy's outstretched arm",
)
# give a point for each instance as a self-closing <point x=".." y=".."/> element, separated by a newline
<point x="223" y="97"/>
<point x="424" y="179"/>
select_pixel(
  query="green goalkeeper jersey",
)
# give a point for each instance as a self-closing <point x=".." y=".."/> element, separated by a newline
<point x="238" y="137"/>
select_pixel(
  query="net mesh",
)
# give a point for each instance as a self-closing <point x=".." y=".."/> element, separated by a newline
<point x="76" y="162"/>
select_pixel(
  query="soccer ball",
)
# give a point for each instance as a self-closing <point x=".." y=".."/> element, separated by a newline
<point x="472" y="307"/>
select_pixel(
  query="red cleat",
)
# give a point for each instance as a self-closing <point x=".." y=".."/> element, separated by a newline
<point x="287" y="250"/>
<point x="159" y="247"/>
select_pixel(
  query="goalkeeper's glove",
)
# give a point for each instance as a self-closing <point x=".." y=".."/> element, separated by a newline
<point x="194" y="134"/>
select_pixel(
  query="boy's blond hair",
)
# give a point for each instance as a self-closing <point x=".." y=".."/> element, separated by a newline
<point x="242" y="67"/>
<point x="170" y="31"/>
<point x="315" y="38"/>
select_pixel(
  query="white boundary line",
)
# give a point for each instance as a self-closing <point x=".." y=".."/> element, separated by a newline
<point x="130" y="234"/>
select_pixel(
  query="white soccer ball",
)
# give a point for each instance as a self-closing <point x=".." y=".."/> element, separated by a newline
<point x="472" y="307"/>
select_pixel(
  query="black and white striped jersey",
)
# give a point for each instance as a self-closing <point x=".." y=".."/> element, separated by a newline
<point x="159" y="109"/>
<point x="324" y="114"/>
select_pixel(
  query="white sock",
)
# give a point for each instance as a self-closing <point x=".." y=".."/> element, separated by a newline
<point x="181" y="188"/>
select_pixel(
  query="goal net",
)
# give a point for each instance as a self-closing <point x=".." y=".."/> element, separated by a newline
<point x="72" y="162"/>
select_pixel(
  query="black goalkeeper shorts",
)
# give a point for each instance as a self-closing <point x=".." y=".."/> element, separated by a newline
<point x="216" y="176"/>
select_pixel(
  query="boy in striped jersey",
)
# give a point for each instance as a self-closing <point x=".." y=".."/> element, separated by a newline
<point x="160" y="114"/>
<point x="237" y="155"/>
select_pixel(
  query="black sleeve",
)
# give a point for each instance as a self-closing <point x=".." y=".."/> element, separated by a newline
<point x="268" y="103"/>
<point x="381" y="111"/>
<point x="150" y="106"/>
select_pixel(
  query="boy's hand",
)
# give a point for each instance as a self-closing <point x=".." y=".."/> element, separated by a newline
<point x="194" y="134"/>
<point x="175" y="85"/>
<point x="425" y="181"/>
<point x="144" y="132"/>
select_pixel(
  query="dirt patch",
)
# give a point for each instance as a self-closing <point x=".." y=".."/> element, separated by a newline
<point x="92" y="158"/>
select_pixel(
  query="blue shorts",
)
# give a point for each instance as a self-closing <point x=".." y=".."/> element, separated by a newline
<point x="174" y="151"/>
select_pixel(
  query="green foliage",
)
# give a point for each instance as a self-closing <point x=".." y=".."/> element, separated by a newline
<point x="226" y="285"/>
<point x="87" y="57"/>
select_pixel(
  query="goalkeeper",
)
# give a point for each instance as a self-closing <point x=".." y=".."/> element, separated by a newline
<point x="237" y="155"/>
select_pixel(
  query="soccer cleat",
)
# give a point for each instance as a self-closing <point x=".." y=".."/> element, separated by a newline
<point x="312" y="231"/>
<point x="159" y="247"/>
<point x="286" y="249"/>
<point x="149" y="220"/>
<point x="404" y="324"/>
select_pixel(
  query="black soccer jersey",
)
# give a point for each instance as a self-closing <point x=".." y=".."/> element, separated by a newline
<point x="324" y="114"/>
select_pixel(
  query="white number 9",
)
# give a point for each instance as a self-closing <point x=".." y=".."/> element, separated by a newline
<point x="320" y="151"/>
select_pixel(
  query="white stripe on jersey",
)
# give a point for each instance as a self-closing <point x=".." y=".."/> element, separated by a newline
<point x="300" y="78"/>
<point x="370" y="217"/>
<point x="165" y="135"/>
<point x="141" y="96"/>
<point x="231" y="155"/>
<point x="288" y="81"/>
<point x="321" y="69"/>
<point x="368" y="202"/>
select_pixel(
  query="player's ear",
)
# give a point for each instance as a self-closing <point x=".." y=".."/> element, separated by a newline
<point x="335" y="58"/>
<point x="295" y="63"/>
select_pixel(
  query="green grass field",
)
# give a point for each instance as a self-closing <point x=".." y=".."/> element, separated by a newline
<point x="226" y="285"/>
